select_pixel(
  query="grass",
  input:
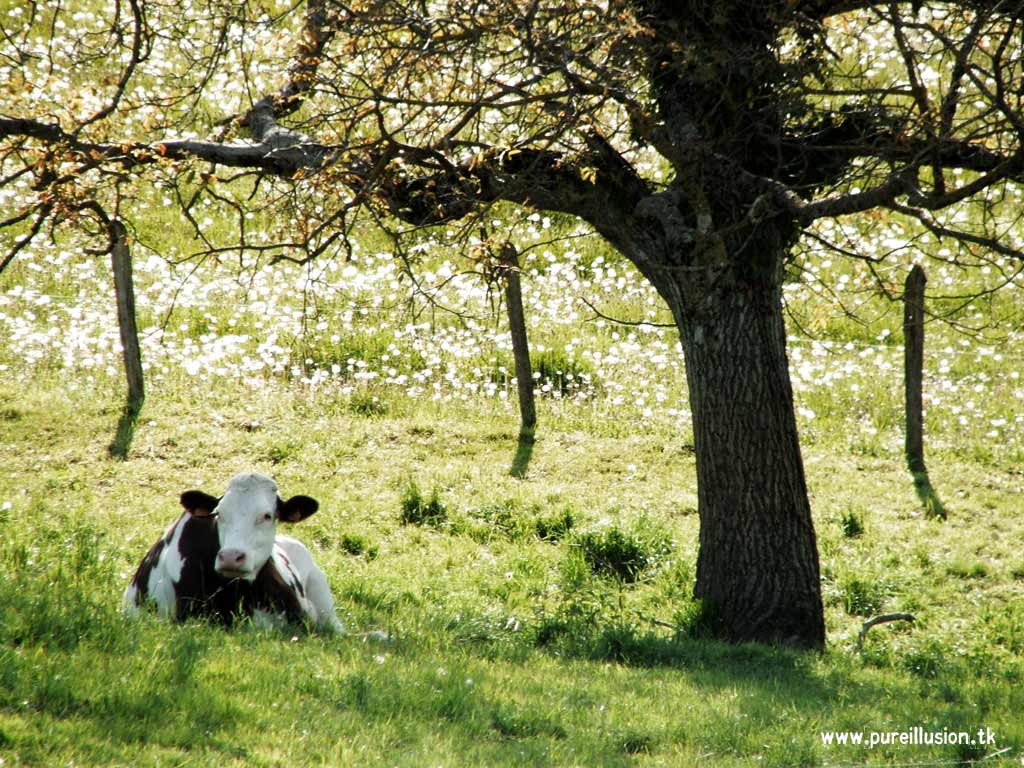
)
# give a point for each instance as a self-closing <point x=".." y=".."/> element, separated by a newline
<point x="516" y="641"/>
<point x="624" y="554"/>
<point x="539" y="595"/>
<point x="540" y="616"/>
<point x="539" y="600"/>
<point x="420" y="510"/>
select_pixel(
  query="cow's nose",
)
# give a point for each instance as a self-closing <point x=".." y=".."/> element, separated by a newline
<point x="230" y="560"/>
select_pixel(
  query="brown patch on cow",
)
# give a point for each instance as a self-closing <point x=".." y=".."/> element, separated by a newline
<point x="141" y="578"/>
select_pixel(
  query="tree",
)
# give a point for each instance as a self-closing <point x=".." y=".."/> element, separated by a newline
<point x="698" y="138"/>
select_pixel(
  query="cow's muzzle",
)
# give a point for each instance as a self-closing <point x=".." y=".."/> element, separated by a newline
<point x="233" y="564"/>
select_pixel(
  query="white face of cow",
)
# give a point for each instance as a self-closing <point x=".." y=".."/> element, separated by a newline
<point x="246" y="525"/>
<point x="247" y="516"/>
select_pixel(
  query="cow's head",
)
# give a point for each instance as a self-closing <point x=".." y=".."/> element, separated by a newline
<point x="247" y="515"/>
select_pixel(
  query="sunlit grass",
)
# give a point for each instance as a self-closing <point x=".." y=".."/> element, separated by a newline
<point x="563" y="595"/>
<point x="509" y="646"/>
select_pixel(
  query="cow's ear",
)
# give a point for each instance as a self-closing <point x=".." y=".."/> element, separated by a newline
<point x="296" y="508"/>
<point x="199" y="504"/>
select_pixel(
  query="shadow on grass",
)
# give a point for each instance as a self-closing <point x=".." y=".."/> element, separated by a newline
<point x="122" y="442"/>
<point x="524" y="452"/>
<point x="632" y="647"/>
<point x="99" y="680"/>
<point x="926" y="493"/>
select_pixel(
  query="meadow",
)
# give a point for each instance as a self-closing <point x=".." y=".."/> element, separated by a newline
<point x="537" y="596"/>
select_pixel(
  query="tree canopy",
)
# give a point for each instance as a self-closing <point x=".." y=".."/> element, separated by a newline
<point x="619" y="112"/>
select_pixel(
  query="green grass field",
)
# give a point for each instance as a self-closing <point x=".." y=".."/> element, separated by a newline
<point x="515" y="640"/>
<point x="537" y="597"/>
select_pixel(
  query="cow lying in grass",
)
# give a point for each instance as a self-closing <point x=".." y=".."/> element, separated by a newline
<point x="223" y="559"/>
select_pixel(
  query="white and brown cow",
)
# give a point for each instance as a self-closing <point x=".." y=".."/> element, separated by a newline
<point x="223" y="559"/>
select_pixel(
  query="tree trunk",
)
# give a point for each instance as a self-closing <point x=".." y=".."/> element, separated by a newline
<point x="757" y="569"/>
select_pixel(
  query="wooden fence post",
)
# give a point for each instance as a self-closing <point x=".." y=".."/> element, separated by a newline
<point x="508" y="268"/>
<point x="913" y="366"/>
<point x="509" y="259"/>
<point x="913" y="379"/>
<point x="124" y="289"/>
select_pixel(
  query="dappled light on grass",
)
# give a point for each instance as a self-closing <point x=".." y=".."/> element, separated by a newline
<point x="560" y="585"/>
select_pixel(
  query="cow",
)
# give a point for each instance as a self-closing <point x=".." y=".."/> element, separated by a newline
<point x="224" y="560"/>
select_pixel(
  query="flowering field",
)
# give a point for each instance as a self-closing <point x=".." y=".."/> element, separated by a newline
<point x="516" y="643"/>
<point x="363" y="327"/>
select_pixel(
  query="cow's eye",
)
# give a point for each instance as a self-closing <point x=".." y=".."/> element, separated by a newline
<point x="267" y="518"/>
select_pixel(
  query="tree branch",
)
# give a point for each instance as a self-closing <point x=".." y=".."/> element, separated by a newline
<point x="823" y="9"/>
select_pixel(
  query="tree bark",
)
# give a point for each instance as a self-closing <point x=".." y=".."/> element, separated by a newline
<point x="757" y="570"/>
